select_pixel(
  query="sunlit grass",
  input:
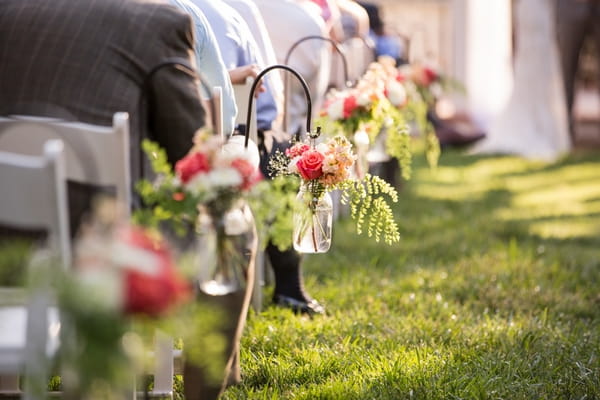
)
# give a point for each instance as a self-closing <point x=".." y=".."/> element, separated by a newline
<point x="492" y="293"/>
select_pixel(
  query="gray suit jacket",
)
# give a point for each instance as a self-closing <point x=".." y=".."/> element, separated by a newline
<point x="87" y="59"/>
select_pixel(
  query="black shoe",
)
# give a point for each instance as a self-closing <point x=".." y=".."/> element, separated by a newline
<point x="310" y="307"/>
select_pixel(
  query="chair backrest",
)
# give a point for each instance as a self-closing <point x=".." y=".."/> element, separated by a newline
<point x="242" y="94"/>
<point x="94" y="154"/>
<point x="34" y="195"/>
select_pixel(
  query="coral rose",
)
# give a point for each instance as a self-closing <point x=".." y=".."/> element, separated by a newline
<point x="250" y="175"/>
<point x="191" y="165"/>
<point x="310" y="164"/>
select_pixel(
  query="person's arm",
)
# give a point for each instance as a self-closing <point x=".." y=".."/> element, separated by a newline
<point x="174" y="105"/>
<point x="240" y="74"/>
<point x="210" y="63"/>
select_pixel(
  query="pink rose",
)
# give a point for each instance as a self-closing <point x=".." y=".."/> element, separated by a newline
<point x="310" y="164"/>
<point x="191" y="165"/>
<point x="296" y="150"/>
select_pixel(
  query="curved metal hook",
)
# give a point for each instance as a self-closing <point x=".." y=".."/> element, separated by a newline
<point x="326" y="39"/>
<point x="255" y="84"/>
<point x="287" y="59"/>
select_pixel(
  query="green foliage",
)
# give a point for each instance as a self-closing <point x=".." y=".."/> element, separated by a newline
<point x="491" y="294"/>
<point x="14" y="256"/>
<point x="398" y="145"/>
<point x="158" y="197"/>
<point x="370" y="210"/>
<point x="274" y="203"/>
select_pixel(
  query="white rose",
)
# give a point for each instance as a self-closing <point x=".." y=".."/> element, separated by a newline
<point x="396" y="93"/>
<point x="336" y="109"/>
<point x="234" y="148"/>
<point x="361" y="139"/>
<point x="200" y="183"/>
<point x="322" y="148"/>
<point x="225" y="177"/>
<point x="363" y="100"/>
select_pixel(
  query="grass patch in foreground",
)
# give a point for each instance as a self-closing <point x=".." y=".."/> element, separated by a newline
<point x="493" y="293"/>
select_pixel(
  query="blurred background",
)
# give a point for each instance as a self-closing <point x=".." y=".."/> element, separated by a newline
<point x="472" y="41"/>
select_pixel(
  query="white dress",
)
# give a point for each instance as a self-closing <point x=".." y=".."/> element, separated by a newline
<point x="534" y="122"/>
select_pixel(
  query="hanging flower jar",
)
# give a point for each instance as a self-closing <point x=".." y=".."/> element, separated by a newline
<point x="313" y="221"/>
<point x="225" y="249"/>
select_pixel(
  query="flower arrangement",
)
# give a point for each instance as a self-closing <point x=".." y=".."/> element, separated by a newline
<point x="370" y="112"/>
<point x="124" y="284"/>
<point x="212" y="176"/>
<point x="324" y="167"/>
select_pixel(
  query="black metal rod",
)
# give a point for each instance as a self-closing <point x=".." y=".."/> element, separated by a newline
<point x="326" y="39"/>
<point x="255" y="84"/>
<point x="287" y="59"/>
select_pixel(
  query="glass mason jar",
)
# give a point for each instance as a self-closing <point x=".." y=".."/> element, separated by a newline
<point x="226" y="245"/>
<point x="313" y="222"/>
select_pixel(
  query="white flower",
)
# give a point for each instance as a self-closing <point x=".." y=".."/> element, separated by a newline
<point x="396" y="93"/>
<point x="225" y="177"/>
<point x="292" y="167"/>
<point x="363" y="99"/>
<point x="124" y="255"/>
<point x="322" y="148"/>
<point x="336" y="109"/>
<point x="235" y="222"/>
<point x="234" y="148"/>
<point x="361" y="139"/>
<point x="199" y="183"/>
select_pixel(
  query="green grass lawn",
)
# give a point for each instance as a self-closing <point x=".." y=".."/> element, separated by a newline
<point x="492" y="293"/>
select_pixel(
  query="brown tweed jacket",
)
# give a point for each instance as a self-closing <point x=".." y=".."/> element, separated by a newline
<point x="87" y="59"/>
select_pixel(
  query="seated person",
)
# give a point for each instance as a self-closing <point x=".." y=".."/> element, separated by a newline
<point x="91" y="75"/>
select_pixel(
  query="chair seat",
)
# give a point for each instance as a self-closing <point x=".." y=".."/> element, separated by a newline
<point x="13" y="322"/>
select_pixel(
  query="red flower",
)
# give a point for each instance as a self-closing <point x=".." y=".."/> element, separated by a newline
<point x="430" y="75"/>
<point x="349" y="106"/>
<point x="309" y="165"/>
<point x="400" y="78"/>
<point x="296" y="150"/>
<point x="250" y="176"/>
<point x="191" y="165"/>
<point x="152" y="291"/>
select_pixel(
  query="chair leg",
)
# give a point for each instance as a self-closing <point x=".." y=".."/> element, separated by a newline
<point x="163" y="372"/>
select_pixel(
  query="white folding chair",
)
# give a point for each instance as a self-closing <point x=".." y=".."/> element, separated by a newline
<point x="34" y="197"/>
<point x="97" y="155"/>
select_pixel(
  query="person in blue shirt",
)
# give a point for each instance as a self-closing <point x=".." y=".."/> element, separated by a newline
<point x="210" y="62"/>
<point x="239" y="49"/>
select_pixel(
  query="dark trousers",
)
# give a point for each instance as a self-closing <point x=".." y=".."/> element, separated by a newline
<point x="575" y="19"/>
